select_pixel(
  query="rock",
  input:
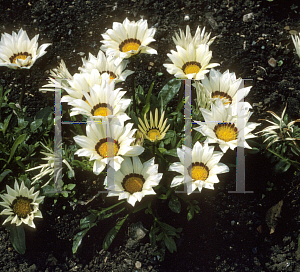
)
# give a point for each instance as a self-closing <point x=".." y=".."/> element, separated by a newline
<point x="248" y="17"/>
<point x="138" y="264"/>
<point x="272" y="62"/>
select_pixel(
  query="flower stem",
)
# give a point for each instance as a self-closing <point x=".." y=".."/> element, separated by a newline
<point x="23" y="76"/>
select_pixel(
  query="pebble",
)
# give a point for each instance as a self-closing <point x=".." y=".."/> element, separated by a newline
<point x="232" y="223"/>
<point x="293" y="32"/>
<point x="272" y="62"/>
<point x="138" y="264"/>
<point x="186" y="18"/>
<point x="248" y="17"/>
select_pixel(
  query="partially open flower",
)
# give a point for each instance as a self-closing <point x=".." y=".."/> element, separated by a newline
<point x="199" y="38"/>
<point x="156" y="131"/>
<point x="199" y="171"/>
<point x="128" y="39"/>
<point x="296" y="41"/>
<point x="21" y="205"/>
<point x="134" y="180"/>
<point x="190" y="63"/>
<point x="48" y="168"/>
<point x="18" y="51"/>
<point x="105" y="65"/>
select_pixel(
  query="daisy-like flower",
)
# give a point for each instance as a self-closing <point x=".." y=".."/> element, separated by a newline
<point x="202" y="171"/>
<point x="227" y="125"/>
<point x="82" y="82"/>
<point x="156" y="131"/>
<point x="296" y="41"/>
<point x="190" y="63"/>
<point x="48" y="168"/>
<point x="199" y="38"/>
<point x="58" y="79"/>
<point x="18" y="51"/>
<point x="128" y="39"/>
<point x="21" y="205"/>
<point x="224" y="86"/>
<point x="106" y="65"/>
<point x="285" y="130"/>
<point x="102" y="101"/>
<point x="106" y="143"/>
<point x="134" y="180"/>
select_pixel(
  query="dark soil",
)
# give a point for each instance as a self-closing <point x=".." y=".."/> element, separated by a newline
<point x="230" y="233"/>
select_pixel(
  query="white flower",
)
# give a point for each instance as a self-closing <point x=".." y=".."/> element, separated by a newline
<point x="82" y="82"/>
<point x="224" y="86"/>
<point x="296" y="41"/>
<point x="21" y="205"/>
<point x="106" y="143"/>
<point x="199" y="38"/>
<point x="285" y="130"/>
<point x="48" y="168"/>
<point x="59" y="78"/>
<point x="134" y="180"/>
<point x="200" y="171"/>
<point x="106" y="65"/>
<point x="190" y="63"/>
<point x="127" y="39"/>
<point x="102" y="101"/>
<point x="156" y="131"/>
<point x="227" y="125"/>
<point x="18" y="51"/>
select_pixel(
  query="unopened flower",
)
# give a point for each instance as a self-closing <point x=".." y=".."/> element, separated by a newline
<point x="106" y="65"/>
<point x="21" y="205"/>
<point x="296" y="41"/>
<point x="227" y="125"/>
<point x="127" y="39"/>
<point x="48" y="168"/>
<point x="185" y="39"/>
<point x="190" y="63"/>
<point x="200" y="171"/>
<point x="224" y="86"/>
<point x="59" y="78"/>
<point x="285" y="130"/>
<point x="156" y="131"/>
<point x="134" y="180"/>
<point x="101" y="101"/>
<point x="18" y="51"/>
<point x="106" y="143"/>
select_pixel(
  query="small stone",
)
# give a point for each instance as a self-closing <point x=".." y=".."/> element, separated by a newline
<point x="260" y="78"/>
<point x="232" y="223"/>
<point x="186" y="18"/>
<point x="138" y="264"/>
<point x="293" y="32"/>
<point x="230" y="9"/>
<point x="81" y="54"/>
<point x="248" y="17"/>
<point x="58" y="57"/>
<point x="286" y="28"/>
<point x="151" y="63"/>
<point x="272" y="62"/>
<point x="267" y="100"/>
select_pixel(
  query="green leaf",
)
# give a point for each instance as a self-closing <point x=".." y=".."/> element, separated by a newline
<point x="17" y="142"/>
<point x="44" y="113"/>
<point x="170" y="243"/>
<point x="168" y="92"/>
<point x="35" y="125"/>
<point x="6" y="123"/>
<point x="71" y="186"/>
<point x="152" y="236"/>
<point x="111" y="235"/>
<point x="172" y="152"/>
<point x="88" y="221"/>
<point x="17" y="238"/>
<point x="77" y="240"/>
<point x="174" y="204"/>
<point x="282" y="166"/>
<point x="4" y="174"/>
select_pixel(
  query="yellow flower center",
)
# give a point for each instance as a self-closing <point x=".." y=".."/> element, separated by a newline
<point x="102" y="109"/>
<point x="112" y="75"/>
<point x="107" y="147"/>
<point x="133" y="183"/>
<point x="199" y="171"/>
<point x="130" y="44"/>
<point x="226" y="132"/>
<point x="153" y="134"/>
<point x="23" y="56"/>
<point x="191" y="67"/>
<point x="21" y="206"/>
<point x="224" y="96"/>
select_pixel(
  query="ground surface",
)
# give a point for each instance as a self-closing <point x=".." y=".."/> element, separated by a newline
<point x="230" y="233"/>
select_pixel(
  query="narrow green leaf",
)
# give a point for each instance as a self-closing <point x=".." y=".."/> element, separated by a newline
<point x="111" y="235"/>
<point x="4" y="174"/>
<point x="6" y="123"/>
<point x="35" y="125"/>
<point x="77" y="240"/>
<point x="174" y="204"/>
<point x="168" y="92"/>
<point x="172" y="152"/>
<point x="170" y="243"/>
<point x="17" y="142"/>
